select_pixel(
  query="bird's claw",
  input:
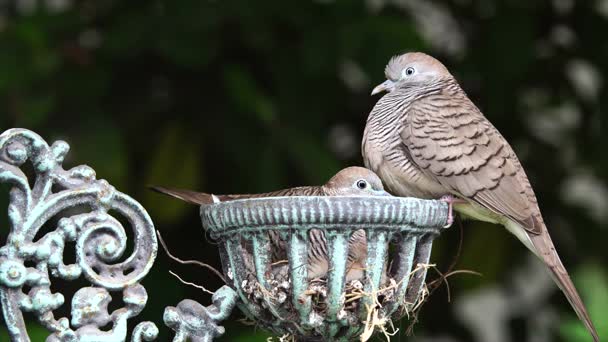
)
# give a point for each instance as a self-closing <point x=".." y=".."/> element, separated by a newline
<point x="449" y="199"/>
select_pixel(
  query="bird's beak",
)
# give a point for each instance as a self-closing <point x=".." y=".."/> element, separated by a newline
<point x="387" y="85"/>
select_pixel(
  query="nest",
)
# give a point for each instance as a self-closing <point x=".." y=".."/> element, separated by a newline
<point x="279" y="292"/>
<point x="356" y="300"/>
<point x="274" y="293"/>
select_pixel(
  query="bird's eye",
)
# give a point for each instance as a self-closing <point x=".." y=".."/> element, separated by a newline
<point x="361" y="184"/>
<point x="409" y="71"/>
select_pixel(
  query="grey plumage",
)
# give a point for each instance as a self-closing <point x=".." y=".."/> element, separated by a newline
<point x="351" y="181"/>
<point x="425" y="138"/>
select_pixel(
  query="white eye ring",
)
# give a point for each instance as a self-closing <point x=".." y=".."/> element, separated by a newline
<point x="361" y="184"/>
<point x="408" y="72"/>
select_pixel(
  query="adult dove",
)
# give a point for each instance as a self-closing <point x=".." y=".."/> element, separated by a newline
<point x="425" y="138"/>
<point x="351" y="181"/>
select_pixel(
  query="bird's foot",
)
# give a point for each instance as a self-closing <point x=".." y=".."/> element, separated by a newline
<point x="450" y="200"/>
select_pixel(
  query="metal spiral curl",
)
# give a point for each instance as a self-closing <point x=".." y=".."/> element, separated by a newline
<point x="100" y="242"/>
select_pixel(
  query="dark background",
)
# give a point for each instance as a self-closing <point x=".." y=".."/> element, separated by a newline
<point x="244" y="96"/>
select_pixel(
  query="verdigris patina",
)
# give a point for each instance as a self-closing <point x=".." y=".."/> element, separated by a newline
<point x="242" y="226"/>
<point x="81" y="208"/>
<point x="99" y="237"/>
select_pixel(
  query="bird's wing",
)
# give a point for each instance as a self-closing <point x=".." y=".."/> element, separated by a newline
<point x="459" y="148"/>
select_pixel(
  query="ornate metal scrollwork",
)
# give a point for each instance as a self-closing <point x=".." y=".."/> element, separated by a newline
<point x="194" y="322"/>
<point x="32" y="258"/>
<point x="100" y="243"/>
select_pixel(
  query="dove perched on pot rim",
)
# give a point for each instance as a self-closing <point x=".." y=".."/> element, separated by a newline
<point x="351" y="181"/>
<point x="425" y="138"/>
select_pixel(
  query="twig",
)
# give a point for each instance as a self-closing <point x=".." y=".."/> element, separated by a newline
<point x="444" y="278"/>
<point x="189" y="262"/>
<point x="191" y="284"/>
<point x="435" y="283"/>
<point x="279" y="262"/>
<point x="373" y="321"/>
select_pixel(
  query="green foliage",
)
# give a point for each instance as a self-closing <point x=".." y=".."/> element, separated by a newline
<point x="35" y="331"/>
<point x="246" y="95"/>
<point x="232" y="97"/>
<point x="175" y="164"/>
<point x="592" y="280"/>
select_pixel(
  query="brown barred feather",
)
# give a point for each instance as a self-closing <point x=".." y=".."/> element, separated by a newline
<point x="425" y="138"/>
<point x="340" y="184"/>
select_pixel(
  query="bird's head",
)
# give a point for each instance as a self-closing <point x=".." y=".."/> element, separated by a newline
<point x="413" y="68"/>
<point x="356" y="181"/>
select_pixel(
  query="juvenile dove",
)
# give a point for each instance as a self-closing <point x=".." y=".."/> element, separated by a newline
<point x="426" y="139"/>
<point x="351" y="181"/>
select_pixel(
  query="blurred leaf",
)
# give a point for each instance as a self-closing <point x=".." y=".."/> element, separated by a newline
<point x="37" y="40"/>
<point x="592" y="282"/>
<point x="100" y="144"/>
<point x="247" y="95"/>
<point x="268" y="172"/>
<point x="176" y="163"/>
<point x="85" y="86"/>
<point x="129" y="33"/>
<point x="36" y="110"/>
<point x="35" y="331"/>
<point x="10" y="69"/>
<point x="475" y="255"/>
<point x="185" y="22"/>
<point x="312" y="158"/>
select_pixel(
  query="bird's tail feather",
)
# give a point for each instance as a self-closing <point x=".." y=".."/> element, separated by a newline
<point x="192" y="197"/>
<point x="546" y="251"/>
<point x="197" y="198"/>
<point x="565" y="284"/>
<point x="543" y="247"/>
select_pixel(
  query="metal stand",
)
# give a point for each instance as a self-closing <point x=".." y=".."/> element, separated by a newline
<point x="101" y="241"/>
